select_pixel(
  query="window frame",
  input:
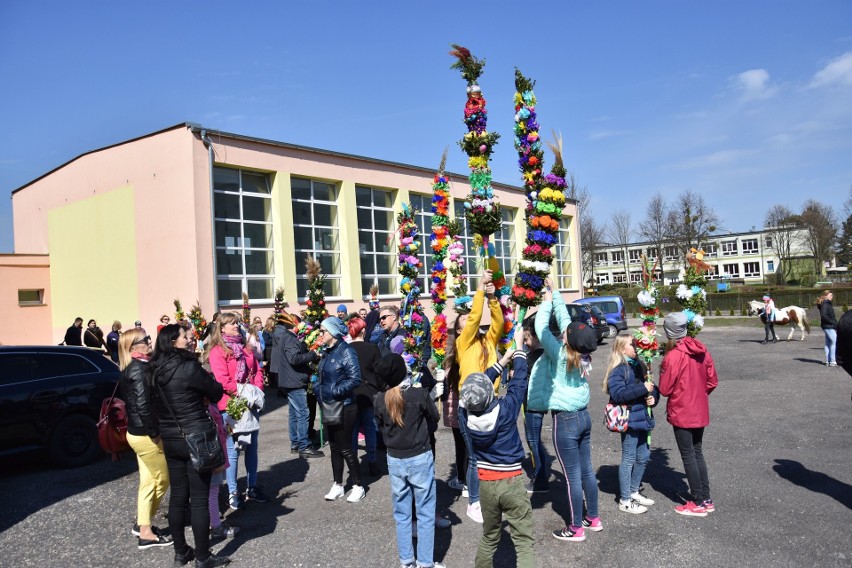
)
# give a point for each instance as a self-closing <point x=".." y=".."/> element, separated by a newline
<point x="243" y="277"/>
<point x="300" y="253"/>
<point x="753" y="246"/>
<point x="392" y="253"/>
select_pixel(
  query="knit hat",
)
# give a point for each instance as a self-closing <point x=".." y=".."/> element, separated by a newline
<point x="675" y="325"/>
<point x="396" y="369"/>
<point x="342" y="308"/>
<point x="477" y="392"/>
<point x="335" y="327"/>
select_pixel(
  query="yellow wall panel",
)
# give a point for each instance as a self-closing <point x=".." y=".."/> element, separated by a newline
<point x="93" y="260"/>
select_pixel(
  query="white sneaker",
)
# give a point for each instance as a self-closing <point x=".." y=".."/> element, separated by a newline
<point x="632" y="507"/>
<point x="474" y="511"/>
<point x="337" y="491"/>
<point x="641" y="499"/>
<point x="356" y="494"/>
<point x="465" y="494"/>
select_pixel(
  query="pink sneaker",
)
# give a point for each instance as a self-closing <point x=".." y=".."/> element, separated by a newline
<point x="690" y="509"/>
<point x="593" y="524"/>
<point x="573" y="534"/>
<point x="708" y="505"/>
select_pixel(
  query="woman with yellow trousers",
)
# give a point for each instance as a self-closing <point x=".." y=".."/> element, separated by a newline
<point x="143" y="435"/>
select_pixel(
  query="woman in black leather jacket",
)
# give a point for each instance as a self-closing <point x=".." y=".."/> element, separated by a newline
<point x="176" y="379"/>
<point x="143" y="435"/>
<point x="339" y="375"/>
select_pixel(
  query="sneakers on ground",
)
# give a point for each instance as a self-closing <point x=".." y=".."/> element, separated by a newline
<point x="456" y="485"/>
<point x="592" y="524"/>
<point x="833" y="364"/>
<point x="465" y="492"/>
<point x="212" y="561"/>
<point x="234" y="501"/>
<point x="158" y="541"/>
<point x="336" y="492"/>
<point x="708" y="505"/>
<point x="442" y="523"/>
<point x="474" y="511"/>
<point x="690" y="509"/>
<point x="224" y="530"/>
<point x="255" y="494"/>
<point x="631" y="506"/>
<point x="641" y="499"/>
<point x="574" y="534"/>
<point x="356" y="494"/>
<point x="309" y="453"/>
<point x="294" y="450"/>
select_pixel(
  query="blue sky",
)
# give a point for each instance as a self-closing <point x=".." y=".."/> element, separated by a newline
<point x="745" y="102"/>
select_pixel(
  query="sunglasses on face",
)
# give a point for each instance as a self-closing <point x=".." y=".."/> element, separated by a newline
<point x="146" y="340"/>
<point x="384" y="317"/>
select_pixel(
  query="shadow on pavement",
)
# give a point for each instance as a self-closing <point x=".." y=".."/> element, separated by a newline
<point x="806" y="360"/>
<point x="43" y="484"/>
<point x="662" y="477"/>
<point x="815" y="481"/>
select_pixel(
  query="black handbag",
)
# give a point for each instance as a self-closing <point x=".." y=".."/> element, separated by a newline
<point x="205" y="449"/>
<point x="332" y="412"/>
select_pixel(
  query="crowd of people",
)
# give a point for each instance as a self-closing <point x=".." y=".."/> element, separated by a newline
<point x="364" y="390"/>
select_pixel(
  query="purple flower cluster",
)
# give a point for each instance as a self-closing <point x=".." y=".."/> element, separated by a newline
<point x="530" y="280"/>
<point x="541" y="237"/>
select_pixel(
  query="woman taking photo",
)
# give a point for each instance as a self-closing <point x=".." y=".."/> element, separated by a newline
<point x="179" y="387"/>
<point x="474" y="353"/>
<point x="370" y="361"/>
<point x="339" y="376"/>
<point x="567" y="397"/>
<point x="233" y="364"/>
<point x="687" y="377"/>
<point x="143" y="435"/>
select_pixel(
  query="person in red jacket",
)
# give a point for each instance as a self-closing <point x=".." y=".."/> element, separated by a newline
<point x="687" y="377"/>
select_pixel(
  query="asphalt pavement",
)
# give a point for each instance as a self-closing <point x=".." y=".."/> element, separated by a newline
<point x="778" y="453"/>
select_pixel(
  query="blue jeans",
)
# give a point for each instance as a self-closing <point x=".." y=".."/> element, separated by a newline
<point x="830" y="345"/>
<point x="298" y="416"/>
<point x="635" y="454"/>
<point x="251" y="461"/>
<point x="532" y="426"/>
<point x="367" y="421"/>
<point x="472" y="473"/>
<point x="415" y="476"/>
<point x="572" y="439"/>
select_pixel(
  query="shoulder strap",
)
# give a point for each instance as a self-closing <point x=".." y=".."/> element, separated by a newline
<point x="169" y="407"/>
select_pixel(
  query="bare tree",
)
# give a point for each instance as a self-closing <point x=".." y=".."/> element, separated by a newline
<point x="592" y="236"/>
<point x="579" y="193"/>
<point x="692" y="220"/>
<point x="620" y="232"/>
<point x="782" y="227"/>
<point x="653" y="228"/>
<point x="820" y="235"/>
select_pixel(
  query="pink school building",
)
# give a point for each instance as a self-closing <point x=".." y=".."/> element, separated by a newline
<point x="118" y="233"/>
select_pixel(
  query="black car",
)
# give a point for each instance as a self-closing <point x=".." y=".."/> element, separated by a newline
<point x="589" y="315"/>
<point x="50" y="397"/>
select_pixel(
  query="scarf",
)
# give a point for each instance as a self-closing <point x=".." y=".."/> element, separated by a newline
<point x="235" y="344"/>
<point x="139" y="356"/>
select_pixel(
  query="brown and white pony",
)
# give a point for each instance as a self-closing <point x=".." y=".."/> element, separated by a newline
<point x="794" y="315"/>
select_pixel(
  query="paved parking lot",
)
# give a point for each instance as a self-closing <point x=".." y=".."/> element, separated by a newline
<point x="778" y="452"/>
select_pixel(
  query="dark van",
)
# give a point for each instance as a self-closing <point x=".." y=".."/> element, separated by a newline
<point x="613" y="310"/>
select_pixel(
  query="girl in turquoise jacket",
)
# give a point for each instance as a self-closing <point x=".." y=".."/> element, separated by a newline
<point x="567" y="396"/>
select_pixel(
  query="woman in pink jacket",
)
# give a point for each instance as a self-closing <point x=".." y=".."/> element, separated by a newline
<point x="232" y="364"/>
<point x="687" y="377"/>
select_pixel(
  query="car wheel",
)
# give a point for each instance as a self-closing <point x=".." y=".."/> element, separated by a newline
<point x="613" y="331"/>
<point x="74" y="441"/>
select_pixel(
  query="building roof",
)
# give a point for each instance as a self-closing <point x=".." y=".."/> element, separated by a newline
<point x="222" y="134"/>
